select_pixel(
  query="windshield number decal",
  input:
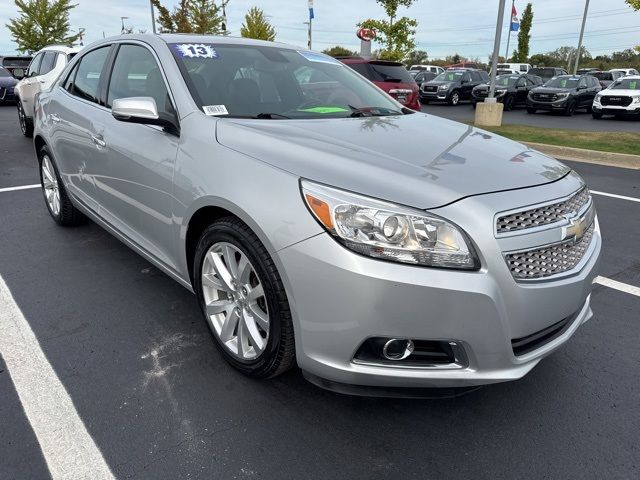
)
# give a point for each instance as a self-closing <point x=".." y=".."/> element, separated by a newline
<point x="213" y="110"/>
<point x="196" y="50"/>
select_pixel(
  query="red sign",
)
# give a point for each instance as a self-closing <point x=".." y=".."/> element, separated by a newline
<point x="366" y="34"/>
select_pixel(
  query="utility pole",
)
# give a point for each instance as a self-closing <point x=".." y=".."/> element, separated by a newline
<point x="153" y="18"/>
<point x="584" y="22"/>
<point x="496" y="50"/>
<point x="311" y="17"/>
<point x="506" y="55"/>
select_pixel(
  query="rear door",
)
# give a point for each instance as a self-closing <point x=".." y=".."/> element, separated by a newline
<point x="76" y="127"/>
<point x="135" y="183"/>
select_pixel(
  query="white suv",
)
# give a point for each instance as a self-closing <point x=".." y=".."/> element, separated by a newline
<point x="43" y="71"/>
<point x="622" y="97"/>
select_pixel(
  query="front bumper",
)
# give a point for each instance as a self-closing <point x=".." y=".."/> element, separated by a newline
<point x="339" y="299"/>
<point x="439" y="96"/>
<point x="550" y="106"/>
<point x="633" y="109"/>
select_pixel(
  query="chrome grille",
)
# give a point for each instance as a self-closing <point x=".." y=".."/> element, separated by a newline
<point x="545" y="97"/>
<point x="623" y="101"/>
<point x="547" y="261"/>
<point x="430" y="88"/>
<point x="545" y="215"/>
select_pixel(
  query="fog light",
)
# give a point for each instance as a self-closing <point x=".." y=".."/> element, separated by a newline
<point x="397" y="349"/>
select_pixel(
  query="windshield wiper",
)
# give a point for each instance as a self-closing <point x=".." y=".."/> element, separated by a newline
<point x="270" y="116"/>
<point x="372" y="111"/>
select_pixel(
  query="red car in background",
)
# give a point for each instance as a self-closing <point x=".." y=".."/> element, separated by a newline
<point x="392" y="77"/>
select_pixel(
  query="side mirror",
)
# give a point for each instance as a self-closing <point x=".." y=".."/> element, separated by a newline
<point x="18" y="73"/>
<point x="140" y="110"/>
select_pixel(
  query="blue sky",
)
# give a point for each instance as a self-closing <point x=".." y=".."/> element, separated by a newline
<point x="464" y="26"/>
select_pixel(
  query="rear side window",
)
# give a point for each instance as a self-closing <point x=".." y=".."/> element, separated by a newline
<point x="48" y="62"/>
<point x="87" y="78"/>
<point x="136" y="74"/>
<point x="362" y="69"/>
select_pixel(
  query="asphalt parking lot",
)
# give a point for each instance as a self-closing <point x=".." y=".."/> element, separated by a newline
<point x="137" y="361"/>
<point x="581" y="121"/>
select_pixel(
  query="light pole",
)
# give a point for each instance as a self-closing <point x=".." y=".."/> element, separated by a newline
<point x="584" y="22"/>
<point x="153" y="18"/>
<point x="496" y="51"/>
<point x="311" y="17"/>
<point x="506" y="55"/>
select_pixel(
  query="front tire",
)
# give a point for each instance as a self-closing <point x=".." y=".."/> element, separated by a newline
<point x="596" y="115"/>
<point x="570" y="109"/>
<point x="55" y="196"/>
<point x="531" y="110"/>
<point x="454" y="99"/>
<point x="26" y="124"/>
<point x="508" y="103"/>
<point x="243" y="299"/>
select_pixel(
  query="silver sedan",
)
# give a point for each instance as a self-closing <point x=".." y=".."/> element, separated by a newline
<point x="317" y="220"/>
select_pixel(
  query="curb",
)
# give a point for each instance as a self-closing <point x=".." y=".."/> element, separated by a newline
<point x="609" y="159"/>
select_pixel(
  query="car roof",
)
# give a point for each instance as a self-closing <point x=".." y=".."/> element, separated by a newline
<point x="61" y="48"/>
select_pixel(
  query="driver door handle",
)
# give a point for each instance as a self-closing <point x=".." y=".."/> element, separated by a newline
<point x="99" y="141"/>
<point x="54" y="118"/>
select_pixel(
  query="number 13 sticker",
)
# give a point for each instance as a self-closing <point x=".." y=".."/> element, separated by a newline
<point x="196" y="50"/>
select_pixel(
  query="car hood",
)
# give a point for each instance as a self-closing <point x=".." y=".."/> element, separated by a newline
<point x="417" y="160"/>
<point x="619" y="92"/>
<point x="432" y="82"/>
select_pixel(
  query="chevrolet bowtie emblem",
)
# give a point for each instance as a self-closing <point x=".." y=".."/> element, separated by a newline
<point x="577" y="225"/>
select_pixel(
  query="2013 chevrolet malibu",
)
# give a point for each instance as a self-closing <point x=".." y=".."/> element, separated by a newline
<point x="317" y="220"/>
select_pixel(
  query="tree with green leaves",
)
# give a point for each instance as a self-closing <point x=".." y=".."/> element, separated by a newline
<point x="635" y="4"/>
<point x="192" y="16"/>
<point x="416" y="57"/>
<point x="521" y="55"/>
<point x="395" y="35"/>
<point x="42" y="23"/>
<point x="339" y="51"/>
<point x="256" y="26"/>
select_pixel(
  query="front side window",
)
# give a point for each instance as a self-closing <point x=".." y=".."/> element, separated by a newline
<point x="87" y="78"/>
<point x="34" y="66"/>
<point x="273" y="82"/>
<point x="136" y="74"/>
<point x="582" y="83"/>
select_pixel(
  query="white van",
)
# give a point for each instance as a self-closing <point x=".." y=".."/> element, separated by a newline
<point x="427" y="68"/>
<point x="515" y="67"/>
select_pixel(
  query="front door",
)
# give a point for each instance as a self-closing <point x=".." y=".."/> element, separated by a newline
<point x="135" y="183"/>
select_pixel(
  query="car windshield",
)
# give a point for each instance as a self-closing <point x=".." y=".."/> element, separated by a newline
<point x="603" y="75"/>
<point x="507" y="80"/>
<point x="448" y="77"/>
<point x="275" y="83"/>
<point x="4" y="73"/>
<point x="562" y="82"/>
<point x="626" y="84"/>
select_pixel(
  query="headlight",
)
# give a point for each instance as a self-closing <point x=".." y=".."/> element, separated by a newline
<point x="636" y="99"/>
<point x="598" y="97"/>
<point x="444" y="87"/>
<point x="500" y="92"/>
<point x="562" y="96"/>
<point x="383" y="230"/>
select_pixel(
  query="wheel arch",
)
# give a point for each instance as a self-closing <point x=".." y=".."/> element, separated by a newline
<point x="38" y="143"/>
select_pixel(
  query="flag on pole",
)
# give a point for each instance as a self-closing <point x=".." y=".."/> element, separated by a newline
<point x="311" y="15"/>
<point x="515" y="23"/>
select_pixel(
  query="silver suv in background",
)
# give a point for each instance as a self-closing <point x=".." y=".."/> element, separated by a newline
<point x="43" y="70"/>
<point x="317" y="220"/>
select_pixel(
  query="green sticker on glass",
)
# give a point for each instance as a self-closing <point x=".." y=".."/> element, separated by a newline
<point x="632" y="85"/>
<point x="324" y="110"/>
<point x="563" y="83"/>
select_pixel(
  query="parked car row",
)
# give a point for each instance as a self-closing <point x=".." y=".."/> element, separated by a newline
<point x="511" y="89"/>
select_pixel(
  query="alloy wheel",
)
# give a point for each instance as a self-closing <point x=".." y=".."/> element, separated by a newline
<point x="455" y="98"/>
<point x="22" y="119"/>
<point x="235" y="301"/>
<point x="50" y="185"/>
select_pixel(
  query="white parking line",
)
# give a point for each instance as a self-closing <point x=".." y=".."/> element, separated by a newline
<point x="68" y="449"/>
<point x="613" y="195"/>
<point x="22" y="187"/>
<point x="622" y="287"/>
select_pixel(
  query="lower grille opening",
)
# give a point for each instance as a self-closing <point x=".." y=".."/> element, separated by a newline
<point x="524" y="345"/>
<point x="425" y="353"/>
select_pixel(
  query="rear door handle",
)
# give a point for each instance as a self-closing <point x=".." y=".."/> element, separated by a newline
<point x="54" y="118"/>
<point x="99" y="141"/>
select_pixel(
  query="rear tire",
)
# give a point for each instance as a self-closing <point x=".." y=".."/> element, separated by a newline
<point x="26" y="124"/>
<point x="274" y="350"/>
<point x="55" y="196"/>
